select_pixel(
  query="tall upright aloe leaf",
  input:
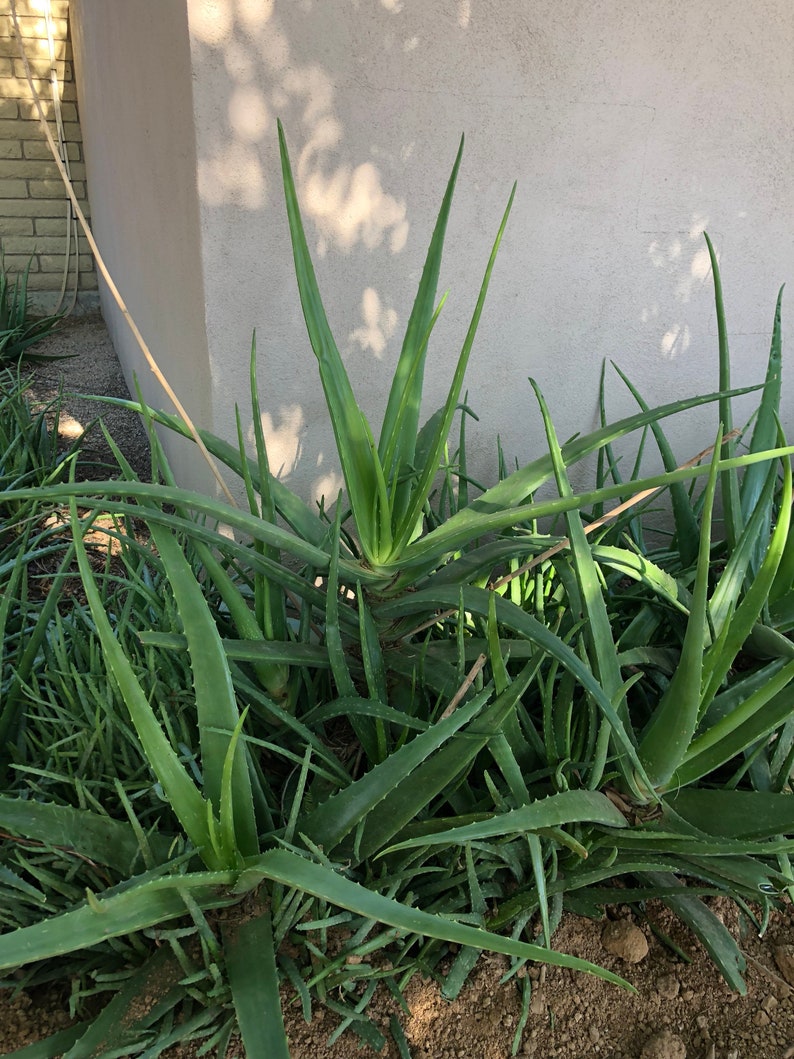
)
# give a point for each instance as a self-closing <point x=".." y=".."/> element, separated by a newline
<point x="601" y="644"/>
<point x="730" y="480"/>
<point x="404" y="530"/>
<point x="364" y="478"/>
<point x="401" y="419"/>
<point x="686" y="529"/>
<point x="764" y="435"/>
<point x="669" y="732"/>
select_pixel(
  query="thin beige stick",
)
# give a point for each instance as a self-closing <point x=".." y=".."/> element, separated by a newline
<point x="564" y="543"/>
<point x="109" y="279"/>
<point x="608" y="517"/>
<point x="471" y="676"/>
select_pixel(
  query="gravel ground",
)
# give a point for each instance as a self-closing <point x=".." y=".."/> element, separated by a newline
<point x="91" y="368"/>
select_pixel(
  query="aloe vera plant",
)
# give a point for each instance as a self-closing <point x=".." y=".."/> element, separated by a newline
<point x="524" y="727"/>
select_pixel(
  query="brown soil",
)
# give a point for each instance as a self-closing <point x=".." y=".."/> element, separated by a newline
<point x="680" y="1011"/>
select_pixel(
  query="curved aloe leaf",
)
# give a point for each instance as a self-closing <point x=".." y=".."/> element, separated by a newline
<point x="294" y="871"/>
<point x="567" y="807"/>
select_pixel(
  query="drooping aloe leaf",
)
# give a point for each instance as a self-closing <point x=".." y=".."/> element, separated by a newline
<point x="216" y="705"/>
<point x="710" y="930"/>
<point x="185" y="799"/>
<point x="735" y="814"/>
<point x="251" y="964"/>
<point x="294" y="871"/>
<point x="100" y="838"/>
<point x="556" y="810"/>
<point x="142" y="905"/>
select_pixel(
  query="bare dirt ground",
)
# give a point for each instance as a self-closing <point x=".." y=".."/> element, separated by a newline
<point x="681" y="1010"/>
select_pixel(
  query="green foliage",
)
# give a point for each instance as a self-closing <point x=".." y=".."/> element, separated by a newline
<point x="327" y="747"/>
<point x="18" y="328"/>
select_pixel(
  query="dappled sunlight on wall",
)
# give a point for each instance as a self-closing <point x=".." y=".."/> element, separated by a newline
<point x="684" y="259"/>
<point x="621" y="163"/>
<point x="379" y="323"/>
<point x="283" y="436"/>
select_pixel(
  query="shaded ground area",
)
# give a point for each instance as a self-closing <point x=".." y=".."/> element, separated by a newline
<point x="91" y="368"/>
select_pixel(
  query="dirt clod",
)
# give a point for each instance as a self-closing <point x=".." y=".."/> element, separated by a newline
<point x="664" y="1045"/>
<point x="784" y="958"/>
<point x="625" y="940"/>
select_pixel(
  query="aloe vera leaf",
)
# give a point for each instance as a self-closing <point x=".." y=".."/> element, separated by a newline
<point x="556" y="810"/>
<point x="513" y="617"/>
<point x="254" y="651"/>
<point x="641" y="569"/>
<point x="361" y="468"/>
<point x="289" y="505"/>
<point x="686" y="527"/>
<point x="137" y="908"/>
<point x="273" y="675"/>
<point x="99" y="838"/>
<point x="336" y="817"/>
<point x="253" y="978"/>
<point x="344" y="707"/>
<point x="526" y="480"/>
<point x="116" y="1023"/>
<point x="401" y="418"/>
<point x="53" y="1047"/>
<point x="216" y="704"/>
<point x="766" y="424"/>
<point x="185" y="799"/>
<point x="747" y="613"/>
<point x="731" y="500"/>
<point x="473" y="522"/>
<point x="758" y="716"/>
<point x="669" y="732"/>
<point x="412" y="795"/>
<point x="598" y="627"/>
<point x="295" y="871"/>
<point x="712" y="932"/>
<point x="734" y="576"/>
<point x="405" y="528"/>
<point x="734" y="814"/>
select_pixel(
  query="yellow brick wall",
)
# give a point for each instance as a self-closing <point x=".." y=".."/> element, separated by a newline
<point x="33" y="202"/>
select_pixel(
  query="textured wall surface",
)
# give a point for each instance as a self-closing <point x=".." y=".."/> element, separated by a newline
<point x="630" y="129"/>
<point x="33" y="203"/>
<point x="134" y="79"/>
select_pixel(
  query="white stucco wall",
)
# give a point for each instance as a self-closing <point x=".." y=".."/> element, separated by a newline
<point x="630" y="128"/>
